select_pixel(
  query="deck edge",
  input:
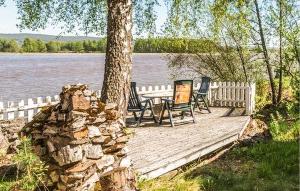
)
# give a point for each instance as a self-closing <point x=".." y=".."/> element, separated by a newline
<point x="194" y="155"/>
<point x="189" y="158"/>
<point x="245" y="126"/>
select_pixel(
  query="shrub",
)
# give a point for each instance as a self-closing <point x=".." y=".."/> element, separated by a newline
<point x="31" y="170"/>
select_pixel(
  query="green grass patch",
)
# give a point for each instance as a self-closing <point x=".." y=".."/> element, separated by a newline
<point x="7" y="185"/>
<point x="265" y="166"/>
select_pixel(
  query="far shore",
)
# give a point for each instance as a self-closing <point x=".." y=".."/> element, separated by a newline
<point x="72" y="53"/>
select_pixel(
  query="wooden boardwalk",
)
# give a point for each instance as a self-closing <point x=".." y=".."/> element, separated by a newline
<point x="156" y="150"/>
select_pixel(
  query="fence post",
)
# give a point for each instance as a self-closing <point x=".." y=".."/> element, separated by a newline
<point x="250" y="98"/>
<point x="10" y="114"/>
<point x="39" y="102"/>
<point x="169" y="87"/>
<point x="253" y="91"/>
<point x="21" y="112"/>
<point x="143" y="89"/>
<point x="247" y="101"/>
<point x="48" y="100"/>
<point x="56" y="98"/>
<point x="208" y="94"/>
<point x="30" y="112"/>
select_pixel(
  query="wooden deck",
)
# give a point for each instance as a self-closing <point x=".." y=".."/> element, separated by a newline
<point x="156" y="150"/>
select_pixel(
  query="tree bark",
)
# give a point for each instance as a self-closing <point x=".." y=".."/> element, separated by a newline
<point x="118" y="62"/>
<point x="265" y="52"/>
<point x="117" y="76"/>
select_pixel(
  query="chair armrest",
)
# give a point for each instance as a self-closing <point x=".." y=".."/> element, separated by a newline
<point x="201" y="93"/>
<point x="144" y="101"/>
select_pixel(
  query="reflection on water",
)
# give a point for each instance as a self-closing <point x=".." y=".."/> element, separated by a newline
<point x="30" y="76"/>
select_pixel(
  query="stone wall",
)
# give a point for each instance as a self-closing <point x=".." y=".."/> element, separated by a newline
<point x="9" y="130"/>
<point x="83" y="142"/>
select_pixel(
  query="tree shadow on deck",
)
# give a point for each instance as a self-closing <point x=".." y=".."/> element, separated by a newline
<point x="234" y="112"/>
<point x="200" y="116"/>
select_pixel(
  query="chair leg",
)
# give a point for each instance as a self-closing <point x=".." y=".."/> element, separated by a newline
<point x="135" y="116"/>
<point x="206" y="103"/>
<point x="170" y="114"/>
<point x="192" y="113"/>
<point x="197" y="103"/>
<point x="143" y="111"/>
<point x="182" y="114"/>
<point x="152" y="112"/>
<point x="162" y="113"/>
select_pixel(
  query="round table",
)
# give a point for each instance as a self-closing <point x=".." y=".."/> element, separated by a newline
<point x="164" y="94"/>
<point x="169" y="94"/>
<point x="158" y="95"/>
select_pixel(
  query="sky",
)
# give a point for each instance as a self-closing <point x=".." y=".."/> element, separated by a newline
<point x="9" y="21"/>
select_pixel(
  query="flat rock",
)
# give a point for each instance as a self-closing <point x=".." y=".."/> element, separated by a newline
<point x="81" y="134"/>
<point x="122" y="139"/>
<point x="80" y="166"/>
<point x="80" y="102"/>
<point x="87" y="92"/>
<point x="67" y="155"/>
<point x="94" y="131"/>
<point x="78" y="123"/>
<point x="105" y="161"/>
<point x="93" y="151"/>
<point x="125" y="162"/>
<point x="4" y="144"/>
<point x="76" y="114"/>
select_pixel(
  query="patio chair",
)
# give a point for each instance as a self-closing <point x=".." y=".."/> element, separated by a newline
<point x="201" y="95"/>
<point x="181" y="101"/>
<point x="135" y="105"/>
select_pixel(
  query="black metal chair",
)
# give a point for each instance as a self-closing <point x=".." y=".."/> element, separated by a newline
<point x="201" y="95"/>
<point x="182" y="100"/>
<point x="135" y="105"/>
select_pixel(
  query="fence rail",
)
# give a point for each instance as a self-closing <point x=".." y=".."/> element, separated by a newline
<point x="223" y="94"/>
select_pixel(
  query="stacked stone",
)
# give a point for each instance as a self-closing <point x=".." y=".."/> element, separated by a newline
<point x="9" y="130"/>
<point x="82" y="138"/>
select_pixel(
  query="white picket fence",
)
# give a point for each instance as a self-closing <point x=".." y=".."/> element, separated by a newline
<point x="222" y="94"/>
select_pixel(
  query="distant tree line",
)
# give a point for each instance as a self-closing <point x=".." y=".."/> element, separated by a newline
<point x="172" y="45"/>
<point x="150" y="45"/>
<point x="37" y="45"/>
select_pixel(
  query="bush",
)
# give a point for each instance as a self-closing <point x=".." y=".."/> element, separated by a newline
<point x="263" y="95"/>
<point x="31" y="170"/>
<point x="9" y="46"/>
<point x="171" y="45"/>
<point x="53" y="46"/>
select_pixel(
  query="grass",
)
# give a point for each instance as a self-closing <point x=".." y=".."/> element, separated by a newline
<point x="266" y="166"/>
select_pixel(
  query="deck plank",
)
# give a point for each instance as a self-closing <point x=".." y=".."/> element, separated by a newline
<point x="156" y="150"/>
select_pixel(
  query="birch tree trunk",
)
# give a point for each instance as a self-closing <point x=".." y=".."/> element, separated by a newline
<point x="117" y="76"/>
<point x="266" y="55"/>
<point x="280" y="52"/>
<point x="118" y="62"/>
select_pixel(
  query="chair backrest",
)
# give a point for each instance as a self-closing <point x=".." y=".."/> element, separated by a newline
<point x="134" y="100"/>
<point x="205" y="83"/>
<point x="183" y="92"/>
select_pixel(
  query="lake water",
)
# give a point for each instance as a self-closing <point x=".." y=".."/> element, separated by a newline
<point x="25" y="76"/>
